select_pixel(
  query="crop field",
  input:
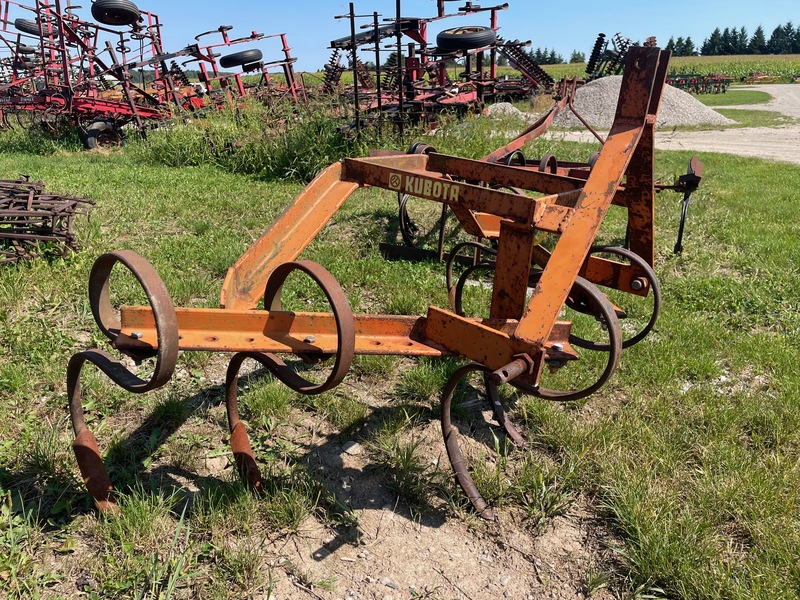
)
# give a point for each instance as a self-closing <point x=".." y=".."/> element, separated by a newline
<point x="682" y="472"/>
<point x="785" y="67"/>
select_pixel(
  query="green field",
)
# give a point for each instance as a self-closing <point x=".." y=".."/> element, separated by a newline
<point x="783" y="66"/>
<point x="687" y="459"/>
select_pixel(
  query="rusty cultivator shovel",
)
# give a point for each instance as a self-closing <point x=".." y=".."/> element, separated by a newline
<point x="524" y="337"/>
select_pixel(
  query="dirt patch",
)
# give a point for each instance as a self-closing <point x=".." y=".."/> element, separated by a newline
<point x="400" y="553"/>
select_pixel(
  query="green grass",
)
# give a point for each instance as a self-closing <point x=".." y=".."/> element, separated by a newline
<point x="734" y="97"/>
<point x="689" y="453"/>
<point x="756" y="118"/>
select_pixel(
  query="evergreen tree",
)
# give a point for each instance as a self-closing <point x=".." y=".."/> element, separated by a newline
<point x="577" y="57"/>
<point x="551" y="57"/>
<point x="713" y="44"/>
<point x="741" y="41"/>
<point x="789" y="34"/>
<point x="778" y="42"/>
<point x="757" y="43"/>
<point x="726" y="43"/>
<point x="671" y="46"/>
<point x="688" y="47"/>
<point x="680" y="47"/>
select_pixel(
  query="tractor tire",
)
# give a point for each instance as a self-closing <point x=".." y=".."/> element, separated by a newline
<point x="238" y="59"/>
<point x="27" y="26"/>
<point x="115" y="12"/>
<point x="31" y="27"/>
<point x="466" y="38"/>
<point x="102" y="133"/>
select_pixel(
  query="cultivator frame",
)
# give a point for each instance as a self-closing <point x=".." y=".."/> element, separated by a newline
<point x="513" y="345"/>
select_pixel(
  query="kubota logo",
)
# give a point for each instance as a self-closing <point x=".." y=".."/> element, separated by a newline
<point x="424" y="188"/>
<point x="395" y="181"/>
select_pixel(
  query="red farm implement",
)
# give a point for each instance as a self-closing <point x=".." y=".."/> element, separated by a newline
<point x="417" y="86"/>
<point x="525" y="341"/>
<point x="694" y="83"/>
<point x="57" y="68"/>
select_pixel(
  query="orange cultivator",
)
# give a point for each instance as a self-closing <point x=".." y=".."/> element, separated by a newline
<point x="520" y="342"/>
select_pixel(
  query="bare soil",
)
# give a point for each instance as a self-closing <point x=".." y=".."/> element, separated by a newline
<point x="401" y="554"/>
<point x="395" y="551"/>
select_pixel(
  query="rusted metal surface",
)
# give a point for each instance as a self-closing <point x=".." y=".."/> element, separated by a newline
<point x="521" y="342"/>
<point x="34" y="223"/>
<point x="289" y="235"/>
<point x="166" y="354"/>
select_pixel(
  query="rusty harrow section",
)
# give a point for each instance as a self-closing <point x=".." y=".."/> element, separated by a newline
<point x="33" y="223"/>
<point x="521" y="342"/>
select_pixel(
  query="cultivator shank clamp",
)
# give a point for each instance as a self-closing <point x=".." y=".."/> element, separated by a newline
<point x="519" y="340"/>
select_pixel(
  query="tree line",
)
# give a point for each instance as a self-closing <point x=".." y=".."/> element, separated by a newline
<point x="785" y="39"/>
<point x="551" y="57"/>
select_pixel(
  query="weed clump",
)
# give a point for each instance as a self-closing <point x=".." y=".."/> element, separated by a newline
<point x="249" y="139"/>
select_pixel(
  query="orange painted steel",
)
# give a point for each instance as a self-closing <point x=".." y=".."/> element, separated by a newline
<point x="288" y="237"/>
<point x="520" y="338"/>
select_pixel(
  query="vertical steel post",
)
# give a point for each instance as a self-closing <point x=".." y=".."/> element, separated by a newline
<point x="493" y="73"/>
<point x="400" y="82"/>
<point x="378" y="69"/>
<point x="354" y="59"/>
<point x="288" y="69"/>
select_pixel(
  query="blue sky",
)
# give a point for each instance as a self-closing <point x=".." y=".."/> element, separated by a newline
<point x="565" y="26"/>
<point x="310" y="26"/>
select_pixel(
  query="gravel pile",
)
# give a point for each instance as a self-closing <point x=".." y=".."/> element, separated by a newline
<point x="506" y="110"/>
<point x="597" y="102"/>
